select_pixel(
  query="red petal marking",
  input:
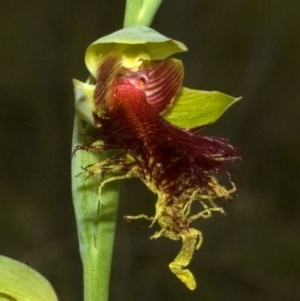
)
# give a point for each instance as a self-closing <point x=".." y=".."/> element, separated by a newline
<point x="165" y="80"/>
<point x="105" y="75"/>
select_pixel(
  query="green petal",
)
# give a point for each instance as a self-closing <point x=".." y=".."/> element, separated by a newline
<point x="19" y="282"/>
<point x="84" y="100"/>
<point x="195" y="108"/>
<point x="157" y="45"/>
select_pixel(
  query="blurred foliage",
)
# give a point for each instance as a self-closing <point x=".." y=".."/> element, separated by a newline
<point x="244" y="48"/>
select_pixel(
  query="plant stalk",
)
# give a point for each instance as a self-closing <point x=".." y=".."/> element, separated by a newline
<point x="96" y="221"/>
<point x="140" y="12"/>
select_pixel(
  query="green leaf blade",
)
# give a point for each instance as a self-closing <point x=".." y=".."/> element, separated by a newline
<point x="21" y="283"/>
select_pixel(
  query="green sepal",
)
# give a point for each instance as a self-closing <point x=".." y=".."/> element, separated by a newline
<point x="156" y="44"/>
<point x="19" y="282"/>
<point x="84" y="100"/>
<point x="196" y="108"/>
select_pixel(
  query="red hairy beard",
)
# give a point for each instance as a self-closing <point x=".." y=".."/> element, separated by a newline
<point x="173" y="159"/>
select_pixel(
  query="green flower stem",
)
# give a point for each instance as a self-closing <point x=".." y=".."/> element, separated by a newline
<point x="140" y="12"/>
<point x="95" y="222"/>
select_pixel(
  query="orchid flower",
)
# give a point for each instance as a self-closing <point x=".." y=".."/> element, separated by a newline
<point x="149" y="125"/>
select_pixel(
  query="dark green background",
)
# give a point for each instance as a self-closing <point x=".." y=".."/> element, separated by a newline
<point x="244" y="48"/>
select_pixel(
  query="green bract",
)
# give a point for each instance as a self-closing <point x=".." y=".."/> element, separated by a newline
<point x="19" y="282"/>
